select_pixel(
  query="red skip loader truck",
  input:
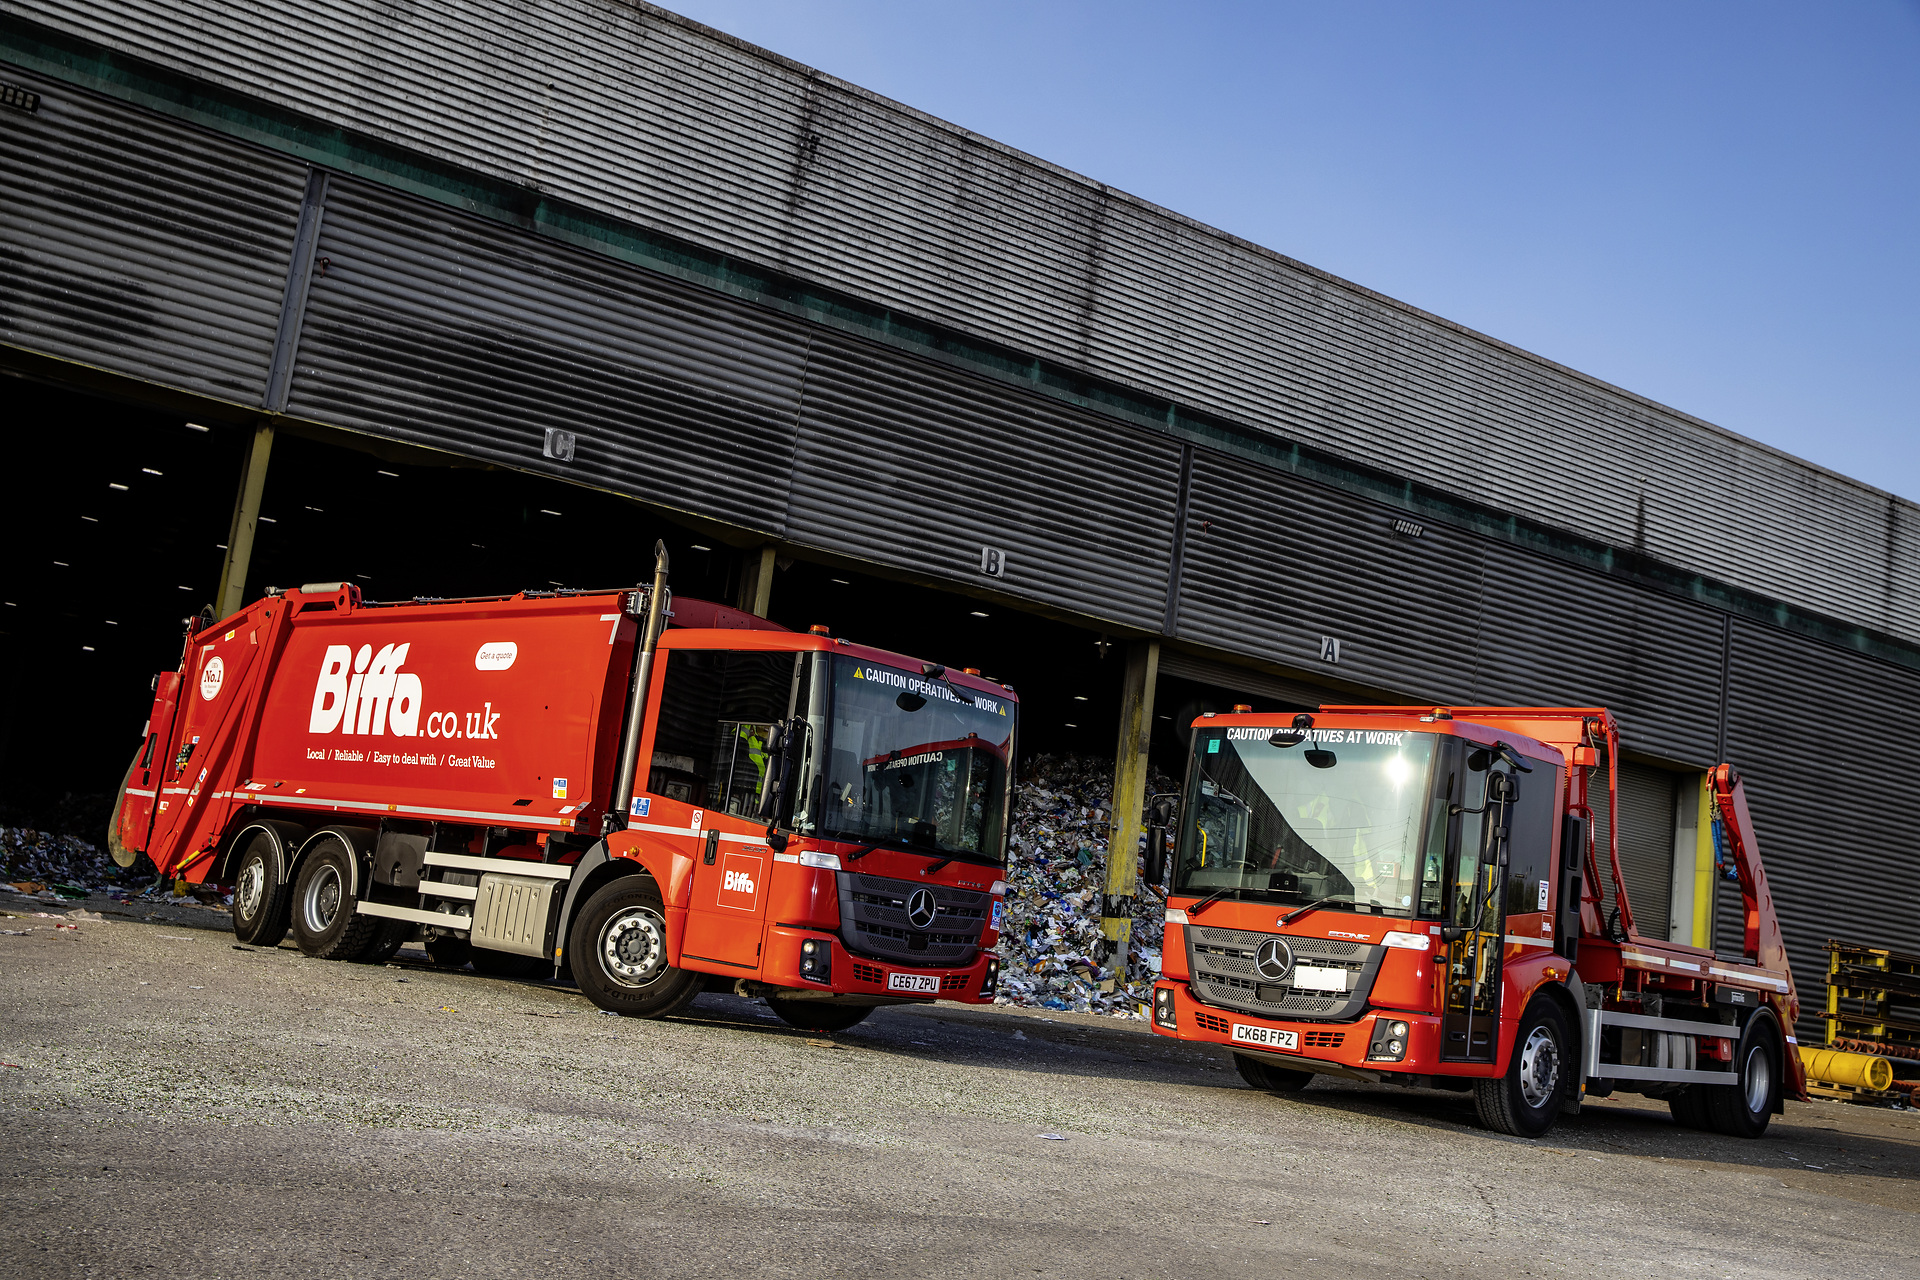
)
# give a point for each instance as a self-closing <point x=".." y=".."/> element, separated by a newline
<point x="660" y="796"/>
<point x="1413" y="895"/>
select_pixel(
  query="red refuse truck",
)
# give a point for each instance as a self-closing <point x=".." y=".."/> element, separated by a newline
<point x="1414" y="895"/>
<point x="655" y="795"/>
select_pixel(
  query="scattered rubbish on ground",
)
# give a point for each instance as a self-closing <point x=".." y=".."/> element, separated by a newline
<point x="16" y="933"/>
<point x="86" y="915"/>
<point x="1053" y="955"/>
<point x="1054" y="1137"/>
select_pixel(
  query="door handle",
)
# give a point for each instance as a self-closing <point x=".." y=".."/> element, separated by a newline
<point x="713" y="845"/>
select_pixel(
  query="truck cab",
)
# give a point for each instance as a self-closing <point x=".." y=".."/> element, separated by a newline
<point x="1410" y="895"/>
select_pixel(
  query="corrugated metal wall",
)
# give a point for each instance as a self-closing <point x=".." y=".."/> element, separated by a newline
<point x="1557" y="636"/>
<point x="640" y="114"/>
<point x="907" y="463"/>
<point x="1820" y="736"/>
<point x="1273" y="564"/>
<point x="460" y="334"/>
<point x="140" y="245"/>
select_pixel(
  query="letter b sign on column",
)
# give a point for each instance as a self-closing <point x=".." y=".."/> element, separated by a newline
<point x="993" y="562"/>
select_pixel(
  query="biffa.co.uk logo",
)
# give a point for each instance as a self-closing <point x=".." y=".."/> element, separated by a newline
<point x="366" y="693"/>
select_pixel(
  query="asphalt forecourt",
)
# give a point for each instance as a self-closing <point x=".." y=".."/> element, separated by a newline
<point x="179" y="1106"/>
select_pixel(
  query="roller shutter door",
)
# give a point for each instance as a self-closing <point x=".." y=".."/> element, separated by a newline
<point x="1647" y="807"/>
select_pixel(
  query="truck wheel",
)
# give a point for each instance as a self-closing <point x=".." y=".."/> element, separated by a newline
<point x="818" y="1015"/>
<point x="1526" y="1100"/>
<point x="1689" y="1108"/>
<point x="504" y="964"/>
<point x="325" y="923"/>
<point x="1743" y="1110"/>
<point x="1267" y="1076"/>
<point x="448" y="952"/>
<point x="617" y="950"/>
<point x="259" y="895"/>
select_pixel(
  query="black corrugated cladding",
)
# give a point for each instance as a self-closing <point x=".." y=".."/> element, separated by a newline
<point x="908" y="463"/>
<point x="1274" y="563"/>
<point x="142" y="245"/>
<point x="1553" y="634"/>
<point x="461" y="334"/>
<point x="1821" y="737"/>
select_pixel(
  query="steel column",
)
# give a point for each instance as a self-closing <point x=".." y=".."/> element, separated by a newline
<point x="1129" y="795"/>
<point x="246" y="516"/>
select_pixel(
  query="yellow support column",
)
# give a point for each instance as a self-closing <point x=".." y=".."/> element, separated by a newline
<point x="246" y="516"/>
<point x="1704" y="885"/>
<point x="1129" y="796"/>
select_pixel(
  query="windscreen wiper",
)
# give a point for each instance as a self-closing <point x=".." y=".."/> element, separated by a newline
<point x="855" y="857"/>
<point x="1297" y="912"/>
<point x="1210" y="899"/>
<point x="927" y="871"/>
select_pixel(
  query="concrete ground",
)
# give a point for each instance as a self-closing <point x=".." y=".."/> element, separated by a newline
<point x="176" y="1105"/>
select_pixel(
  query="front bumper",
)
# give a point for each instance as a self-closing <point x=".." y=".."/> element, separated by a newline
<point x="853" y="975"/>
<point x="1341" y="1047"/>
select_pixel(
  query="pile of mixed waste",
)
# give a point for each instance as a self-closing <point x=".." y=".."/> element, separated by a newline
<point x="1053" y="955"/>
<point x="49" y="865"/>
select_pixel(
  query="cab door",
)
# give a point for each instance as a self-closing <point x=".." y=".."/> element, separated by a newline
<point x="1475" y="910"/>
<point x="727" y="908"/>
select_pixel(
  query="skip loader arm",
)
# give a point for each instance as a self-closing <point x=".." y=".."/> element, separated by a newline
<point x="1762" y="942"/>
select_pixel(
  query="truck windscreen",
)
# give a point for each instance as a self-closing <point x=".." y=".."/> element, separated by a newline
<point x="905" y="761"/>
<point x="1336" y="815"/>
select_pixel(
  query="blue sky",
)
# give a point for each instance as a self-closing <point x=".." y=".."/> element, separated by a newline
<point x="1715" y="205"/>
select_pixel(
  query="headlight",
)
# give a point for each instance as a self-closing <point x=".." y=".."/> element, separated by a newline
<point x="1163" y="1010"/>
<point x="1389" y="1042"/>
<point x="816" y="960"/>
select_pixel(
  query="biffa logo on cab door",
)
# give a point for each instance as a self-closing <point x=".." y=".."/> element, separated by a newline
<point x="739" y="881"/>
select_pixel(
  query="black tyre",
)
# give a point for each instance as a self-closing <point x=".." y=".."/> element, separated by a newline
<point x="1744" y="1110"/>
<point x="448" y="952"/>
<point x="1527" y="1099"/>
<point x="505" y="964"/>
<point x="259" y="894"/>
<point x="1268" y="1076"/>
<point x="1689" y="1108"/>
<point x="617" y="950"/>
<point x="818" y="1015"/>
<point x="325" y="922"/>
<point x="392" y="936"/>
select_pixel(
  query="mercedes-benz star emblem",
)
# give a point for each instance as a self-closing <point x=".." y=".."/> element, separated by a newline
<point x="921" y="908"/>
<point x="1273" y="959"/>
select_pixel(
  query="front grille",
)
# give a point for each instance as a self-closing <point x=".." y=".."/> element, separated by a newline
<point x="868" y="973"/>
<point x="873" y="921"/>
<point x="1221" y="963"/>
<point x="954" y="982"/>
<point x="1208" y="1022"/>
<point x="1323" y="1039"/>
